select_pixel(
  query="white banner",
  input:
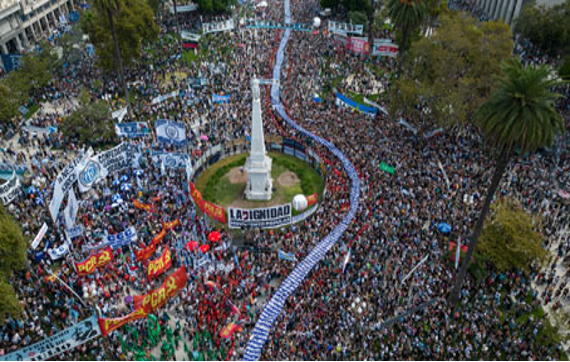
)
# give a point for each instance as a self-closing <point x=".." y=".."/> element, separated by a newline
<point x="184" y="8"/>
<point x="384" y="47"/>
<point x="10" y="189"/>
<point x="266" y="217"/>
<point x="59" y="252"/>
<point x="106" y="163"/>
<point x="217" y="26"/>
<point x="345" y="28"/>
<point x="64" y="182"/>
<point x="75" y="231"/>
<point x="163" y="97"/>
<point x="60" y="342"/>
<point x="186" y="35"/>
<point x="119" y="114"/>
<point x="37" y="240"/>
<point x="70" y="211"/>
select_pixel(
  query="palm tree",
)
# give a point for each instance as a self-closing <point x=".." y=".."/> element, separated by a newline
<point x="406" y="15"/>
<point x="111" y="7"/>
<point x="519" y="116"/>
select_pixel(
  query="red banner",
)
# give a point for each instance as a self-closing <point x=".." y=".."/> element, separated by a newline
<point x="139" y="205"/>
<point x="160" y="265"/>
<point x="98" y="260"/>
<point x="145" y="252"/>
<point x="158" y="237"/>
<point x="156" y="299"/>
<point x="357" y="45"/>
<point x="108" y="325"/>
<point x="312" y="199"/>
<point x="196" y="195"/>
<point x="212" y="210"/>
<point x="171" y="225"/>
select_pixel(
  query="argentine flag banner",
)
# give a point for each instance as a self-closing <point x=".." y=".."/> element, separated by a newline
<point x="171" y="132"/>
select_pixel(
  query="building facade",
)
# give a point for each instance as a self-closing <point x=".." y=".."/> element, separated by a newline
<point x="24" y="22"/>
<point x="507" y="10"/>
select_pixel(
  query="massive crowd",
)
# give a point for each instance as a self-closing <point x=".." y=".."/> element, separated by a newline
<point x="340" y="311"/>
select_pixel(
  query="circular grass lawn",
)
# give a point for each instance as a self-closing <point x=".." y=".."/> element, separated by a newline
<point x="224" y="182"/>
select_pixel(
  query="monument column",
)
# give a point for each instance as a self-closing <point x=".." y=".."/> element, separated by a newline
<point x="258" y="165"/>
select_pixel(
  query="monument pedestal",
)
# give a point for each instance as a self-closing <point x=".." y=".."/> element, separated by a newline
<point x="259" y="182"/>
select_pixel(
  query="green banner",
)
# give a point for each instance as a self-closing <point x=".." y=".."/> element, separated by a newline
<point x="384" y="167"/>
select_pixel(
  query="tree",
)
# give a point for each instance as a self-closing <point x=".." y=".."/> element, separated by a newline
<point x="564" y="69"/>
<point x="406" y="15"/>
<point x="520" y="115"/>
<point x="331" y="4"/>
<point x="452" y="72"/>
<point x="13" y="247"/>
<point x="509" y="238"/>
<point x="215" y="6"/>
<point x="91" y="123"/>
<point x="546" y="27"/>
<point x="8" y="105"/>
<point x="357" y="17"/>
<point x="117" y="29"/>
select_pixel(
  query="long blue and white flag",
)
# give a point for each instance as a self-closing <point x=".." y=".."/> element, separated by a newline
<point x="171" y="132"/>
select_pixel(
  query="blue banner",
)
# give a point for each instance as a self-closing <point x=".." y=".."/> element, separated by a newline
<point x="285" y="256"/>
<point x="344" y="100"/>
<point x="115" y="241"/>
<point x="216" y="98"/>
<point x="132" y="129"/>
<point x="19" y="169"/>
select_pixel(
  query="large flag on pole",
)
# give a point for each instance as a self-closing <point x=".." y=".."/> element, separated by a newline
<point x="171" y="132"/>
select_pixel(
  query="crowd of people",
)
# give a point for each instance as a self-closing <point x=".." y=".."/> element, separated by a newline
<point x="344" y="309"/>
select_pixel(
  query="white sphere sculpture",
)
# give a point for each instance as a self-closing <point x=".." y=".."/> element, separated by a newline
<point x="316" y="22"/>
<point x="300" y="202"/>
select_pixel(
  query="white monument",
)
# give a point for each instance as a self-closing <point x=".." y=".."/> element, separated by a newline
<point x="257" y="165"/>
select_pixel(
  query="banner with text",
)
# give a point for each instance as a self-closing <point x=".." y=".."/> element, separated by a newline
<point x="266" y="217"/>
<point x="60" y="342"/>
<point x="98" y="260"/>
<point x="160" y="265"/>
<point x="156" y="299"/>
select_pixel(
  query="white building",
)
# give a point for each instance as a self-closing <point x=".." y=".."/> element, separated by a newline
<point x="24" y="22"/>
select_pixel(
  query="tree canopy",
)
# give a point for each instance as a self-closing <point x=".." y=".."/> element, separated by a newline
<point x="91" y="123"/>
<point x="13" y="248"/>
<point x="134" y="21"/>
<point x="510" y="238"/>
<point x="35" y="72"/>
<point x="452" y="72"/>
<point x="547" y="27"/>
<point x="215" y="6"/>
